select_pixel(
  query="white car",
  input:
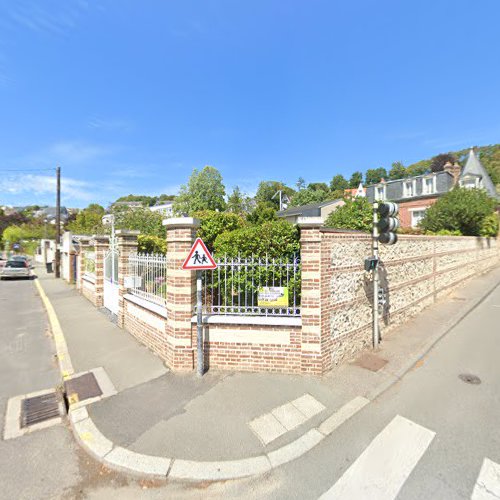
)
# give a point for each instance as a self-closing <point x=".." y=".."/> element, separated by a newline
<point x="15" y="269"/>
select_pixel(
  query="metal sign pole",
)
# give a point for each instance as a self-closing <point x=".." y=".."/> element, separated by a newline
<point x="375" y="276"/>
<point x="199" y="324"/>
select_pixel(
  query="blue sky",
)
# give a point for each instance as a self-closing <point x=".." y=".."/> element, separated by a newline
<point x="130" y="96"/>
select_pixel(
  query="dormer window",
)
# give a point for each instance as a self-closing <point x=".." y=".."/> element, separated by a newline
<point x="471" y="181"/>
<point x="429" y="185"/>
<point x="409" y="189"/>
<point x="380" y="192"/>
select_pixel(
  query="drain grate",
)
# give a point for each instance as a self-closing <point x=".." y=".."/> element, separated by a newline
<point x="85" y="387"/>
<point x="469" y="379"/>
<point x="39" y="409"/>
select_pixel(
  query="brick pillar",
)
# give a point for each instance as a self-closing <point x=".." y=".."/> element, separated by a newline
<point x="310" y="252"/>
<point x="101" y="247"/>
<point x="181" y="292"/>
<point x="85" y="246"/>
<point x="127" y="244"/>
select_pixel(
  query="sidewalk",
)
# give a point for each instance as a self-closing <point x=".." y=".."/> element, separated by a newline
<point x="226" y="425"/>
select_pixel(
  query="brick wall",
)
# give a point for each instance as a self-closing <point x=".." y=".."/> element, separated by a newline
<point x="244" y="347"/>
<point x="146" y="326"/>
<point x="415" y="272"/>
<point x="405" y="209"/>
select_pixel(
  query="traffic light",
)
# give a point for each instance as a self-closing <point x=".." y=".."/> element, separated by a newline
<point x="388" y="223"/>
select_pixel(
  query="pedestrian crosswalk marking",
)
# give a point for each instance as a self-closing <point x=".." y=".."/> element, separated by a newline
<point x="383" y="467"/>
<point x="488" y="482"/>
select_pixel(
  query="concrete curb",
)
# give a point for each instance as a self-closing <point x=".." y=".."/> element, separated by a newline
<point x="122" y="460"/>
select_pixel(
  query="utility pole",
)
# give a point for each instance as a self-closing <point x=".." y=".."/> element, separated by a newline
<point x="375" y="330"/>
<point x="58" y="223"/>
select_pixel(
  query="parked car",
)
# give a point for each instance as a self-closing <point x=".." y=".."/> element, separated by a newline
<point x="16" y="269"/>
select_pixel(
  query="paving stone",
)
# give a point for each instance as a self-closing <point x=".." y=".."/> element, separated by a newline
<point x="308" y="405"/>
<point x="288" y="416"/>
<point x="267" y="428"/>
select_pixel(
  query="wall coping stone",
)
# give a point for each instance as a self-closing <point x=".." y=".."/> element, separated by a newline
<point x="181" y="222"/>
<point x="90" y="279"/>
<point x="145" y="304"/>
<point x="307" y="222"/>
<point x="127" y="232"/>
<point x="219" y="319"/>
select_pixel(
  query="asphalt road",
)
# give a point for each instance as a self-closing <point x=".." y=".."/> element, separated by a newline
<point x="426" y="437"/>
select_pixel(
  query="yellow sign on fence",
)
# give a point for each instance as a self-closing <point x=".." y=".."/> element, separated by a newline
<point x="273" y="296"/>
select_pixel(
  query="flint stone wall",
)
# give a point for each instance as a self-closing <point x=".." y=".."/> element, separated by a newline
<point x="414" y="273"/>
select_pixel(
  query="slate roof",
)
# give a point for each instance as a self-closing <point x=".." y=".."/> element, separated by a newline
<point x="474" y="167"/>
<point x="311" y="210"/>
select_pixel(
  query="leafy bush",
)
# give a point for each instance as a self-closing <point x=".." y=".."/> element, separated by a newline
<point x="355" y="214"/>
<point x="489" y="226"/>
<point x="215" y="223"/>
<point x="462" y="210"/>
<point x="274" y="239"/>
<point x="151" y="244"/>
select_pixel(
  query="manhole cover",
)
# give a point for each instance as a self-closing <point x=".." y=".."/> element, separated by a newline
<point x="39" y="409"/>
<point x="85" y="387"/>
<point x="370" y="362"/>
<point x="469" y="379"/>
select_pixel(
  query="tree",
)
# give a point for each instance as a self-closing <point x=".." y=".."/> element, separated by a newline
<point x="301" y="183"/>
<point x="308" y="196"/>
<point x="375" y="175"/>
<point x="460" y="209"/>
<point x="439" y="161"/>
<point x="355" y="180"/>
<point x="88" y="221"/>
<point x="14" y="219"/>
<point x="339" y="183"/>
<point x="318" y="186"/>
<point x="263" y="212"/>
<point x="215" y="223"/>
<point x="204" y="191"/>
<point x="398" y="171"/>
<point x="355" y="214"/>
<point x="267" y="190"/>
<point x="237" y="202"/>
<point x="140" y="219"/>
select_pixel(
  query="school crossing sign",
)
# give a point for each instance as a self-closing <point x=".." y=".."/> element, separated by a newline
<point x="199" y="257"/>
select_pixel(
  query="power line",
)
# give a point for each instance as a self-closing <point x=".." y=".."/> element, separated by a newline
<point x="28" y="170"/>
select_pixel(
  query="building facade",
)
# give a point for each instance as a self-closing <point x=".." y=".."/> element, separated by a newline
<point x="415" y="195"/>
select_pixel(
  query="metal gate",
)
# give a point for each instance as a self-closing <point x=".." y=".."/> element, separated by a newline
<point x="111" y="279"/>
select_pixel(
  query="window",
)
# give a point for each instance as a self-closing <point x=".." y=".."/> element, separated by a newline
<point x="379" y="192"/>
<point x="416" y="216"/>
<point x="429" y="185"/>
<point x="471" y="182"/>
<point x="409" y="189"/>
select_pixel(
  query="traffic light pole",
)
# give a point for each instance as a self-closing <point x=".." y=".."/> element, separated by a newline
<point x="375" y="276"/>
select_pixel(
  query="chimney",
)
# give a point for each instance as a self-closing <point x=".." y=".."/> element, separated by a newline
<point x="453" y="170"/>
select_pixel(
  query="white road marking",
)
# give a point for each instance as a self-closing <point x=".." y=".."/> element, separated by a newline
<point x="284" y="418"/>
<point x="488" y="482"/>
<point x="383" y="467"/>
